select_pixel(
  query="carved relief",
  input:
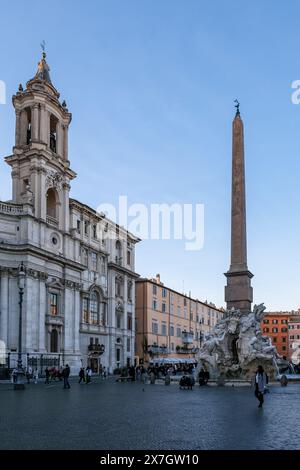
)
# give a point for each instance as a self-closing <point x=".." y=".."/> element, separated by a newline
<point x="54" y="180"/>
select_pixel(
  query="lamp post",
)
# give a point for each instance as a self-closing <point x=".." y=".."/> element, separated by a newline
<point x="19" y="385"/>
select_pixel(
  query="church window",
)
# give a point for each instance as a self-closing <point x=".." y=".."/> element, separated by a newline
<point x="85" y="310"/>
<point x="53" y="304"/>
<point x="28" y="129"/>
<point x="94" y="308"/>
<point x="103" y="313"/>
<point x="52" y="203"/>
<point x="94" y="261"/>
<point x="53" y="133"/>
<point x="78" y="226"/>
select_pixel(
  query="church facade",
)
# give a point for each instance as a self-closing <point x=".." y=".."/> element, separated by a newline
<point x="79" y="297"/>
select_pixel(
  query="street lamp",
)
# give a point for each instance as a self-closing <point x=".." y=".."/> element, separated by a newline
<point x="19" y="385"/>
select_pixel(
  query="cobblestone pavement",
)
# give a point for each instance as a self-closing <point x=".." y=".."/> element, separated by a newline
<point x="109" y="415"/>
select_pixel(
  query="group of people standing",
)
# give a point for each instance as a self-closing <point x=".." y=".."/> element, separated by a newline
<point x="63" y="375"/>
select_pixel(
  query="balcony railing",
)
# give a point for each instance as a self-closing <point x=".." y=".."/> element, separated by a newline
<point x="13" y="209"/>
<point x="158" y="350"/>
<point x="99" y="348"/>
<point x="52" y="221"/>
<point x="187" y="350"/>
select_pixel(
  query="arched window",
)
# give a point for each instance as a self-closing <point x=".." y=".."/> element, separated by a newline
<point x="54" y="341"/>
<point x="53" y="133"/>
<point x="28" y="126"/>
<point x="94" y="308"/>
<point x="52" y="203"/>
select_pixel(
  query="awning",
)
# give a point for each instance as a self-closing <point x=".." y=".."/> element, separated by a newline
<point x="173" y="360"/>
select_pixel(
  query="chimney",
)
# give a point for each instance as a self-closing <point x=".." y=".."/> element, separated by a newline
<point x="158" y="278"/>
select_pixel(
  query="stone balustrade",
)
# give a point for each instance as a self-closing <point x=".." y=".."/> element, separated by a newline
<point x="12" y="209"/>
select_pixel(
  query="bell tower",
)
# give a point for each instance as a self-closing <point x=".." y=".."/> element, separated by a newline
<point x="41" y="170"/>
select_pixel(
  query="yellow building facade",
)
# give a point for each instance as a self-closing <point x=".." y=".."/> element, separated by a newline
<point x="169" y="324"/>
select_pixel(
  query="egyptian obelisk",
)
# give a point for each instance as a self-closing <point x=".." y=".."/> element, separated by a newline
<point x="238" y="292"/>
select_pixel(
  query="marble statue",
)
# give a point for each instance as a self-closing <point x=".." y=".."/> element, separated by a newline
<point x="235" y="347"/>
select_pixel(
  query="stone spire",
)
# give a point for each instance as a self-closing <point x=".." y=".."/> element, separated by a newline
<point x="41" y="80"/>
<point x="238" y="292"/>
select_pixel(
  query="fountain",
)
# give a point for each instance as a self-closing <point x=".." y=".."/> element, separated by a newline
<point x="235" y="347"/>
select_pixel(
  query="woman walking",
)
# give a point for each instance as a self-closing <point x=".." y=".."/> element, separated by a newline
<point x="260" y="384"/>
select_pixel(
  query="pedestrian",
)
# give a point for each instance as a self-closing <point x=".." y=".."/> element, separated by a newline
<point x="104" y="373"/>
<point x="14" y="376"/>
<point x="201" y="377"/>
<point x="260" y="384"/>
<point x="28" y="374"/>
<point x="206" y="377"/>
<point x="47" y="375"/>
<point x="81" y="375"/>
<point x="36" y="376"/>
<point x="88" y="375"/>
<point x="65" y="374"/>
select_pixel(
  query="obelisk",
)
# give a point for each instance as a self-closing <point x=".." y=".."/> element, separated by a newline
<point x="238" y="292"/>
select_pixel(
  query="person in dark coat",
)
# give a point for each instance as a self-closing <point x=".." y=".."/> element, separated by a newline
<point x="81" y="375"/>
<point x="206" y="377"/>
<point x="201" y="377"/>
<point x="47" y="375"/>
<point x="260" y="384"/>
<point x="65" y="374"/>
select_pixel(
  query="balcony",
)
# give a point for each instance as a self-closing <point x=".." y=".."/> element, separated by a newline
<point x="187" y="337"/>
<point x="99" y="348"/>
<point x="12" y="209"/>
<point x="184" y="350"/>
<point x="154" y="349"/>
<point x="52" y="221"/>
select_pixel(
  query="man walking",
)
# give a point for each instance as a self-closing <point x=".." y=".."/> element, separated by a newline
<point x="88" y="375"/>
<point x="65" y="374"/>
<point x="81" y="375"/>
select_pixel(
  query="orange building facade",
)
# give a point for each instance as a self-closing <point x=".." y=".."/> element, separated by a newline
<point x="170" y="324"/>
<point x="275" y="325"/>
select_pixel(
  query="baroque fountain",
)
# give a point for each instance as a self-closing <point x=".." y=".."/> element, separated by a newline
<point x="235" y="347"/>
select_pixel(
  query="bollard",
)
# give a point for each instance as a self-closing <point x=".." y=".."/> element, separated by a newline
<point x="284" y="380"/>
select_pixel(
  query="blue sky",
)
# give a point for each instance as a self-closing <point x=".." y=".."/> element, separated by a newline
<point x="151" y="86"/>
